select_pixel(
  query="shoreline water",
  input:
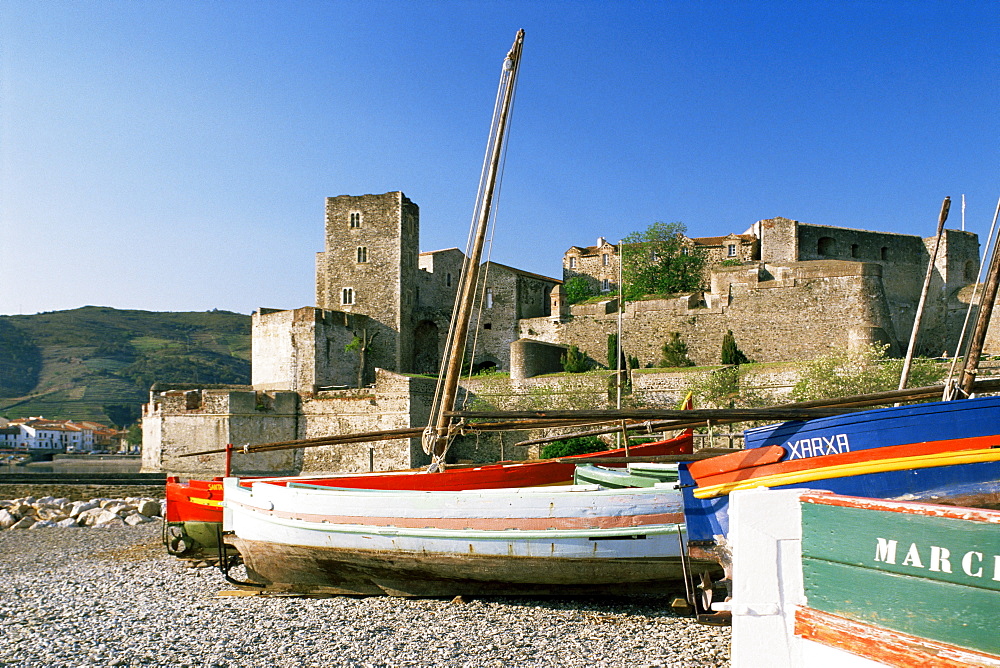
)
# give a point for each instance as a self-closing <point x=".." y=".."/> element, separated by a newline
<point x="113" y="597"/>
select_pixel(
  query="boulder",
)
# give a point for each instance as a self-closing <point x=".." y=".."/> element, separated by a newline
<point x="149" y="508"/>
<point x="49" y="513"/>
<point x="107" y="520"/>
<point x="6" y="519"/>
<point x="120" y="509"/>
<point x="22" y="510"/>
<point x="80" y="507"/>
<point x="67" y="523"/>
<point x="137" y="518"/>
<point x="23" y="523"/>
<point x="43" y="524"/>
<point x="98" y="517"/>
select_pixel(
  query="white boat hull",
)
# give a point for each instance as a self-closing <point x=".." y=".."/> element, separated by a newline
<point x="566" y="540"/>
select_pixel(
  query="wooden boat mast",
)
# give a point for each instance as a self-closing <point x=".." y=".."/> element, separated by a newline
<point x="915" y="331"/>
<point x="438" y="433"/>
<point x="968" y="377"/>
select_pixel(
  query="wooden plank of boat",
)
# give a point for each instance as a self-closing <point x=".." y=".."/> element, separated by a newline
<point x="293" y="568"/>
<point x="927" y="571"/>
<point x="735" y="461"/>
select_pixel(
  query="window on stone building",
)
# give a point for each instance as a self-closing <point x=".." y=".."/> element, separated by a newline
<point x="605" y="285"/>
<point x="347" y="296"/>
<point x="489" y="297"/>
<point x="684" y="250"/>
<point x="855" y="250"/>
<point x="447" y="279"/>
<point x="572" y="263"/>
<point x="883" y="253"/>
<point x="487" y="325"/>
<point x="355" y="219"/>
<point x="604" y="259"/>
<point x="731" y="250"/>
<point x="970" y="271"/>
<point x="362" y="254"/>
<point x="826" y="246"/>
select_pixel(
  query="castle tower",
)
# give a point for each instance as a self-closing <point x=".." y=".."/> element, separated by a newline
<point x="368" y="267"/>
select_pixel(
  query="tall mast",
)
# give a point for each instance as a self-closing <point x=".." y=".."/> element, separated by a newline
<point x="467" y="284"/>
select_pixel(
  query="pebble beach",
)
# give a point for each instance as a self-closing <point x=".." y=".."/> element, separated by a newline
<point x="112" y="596"/>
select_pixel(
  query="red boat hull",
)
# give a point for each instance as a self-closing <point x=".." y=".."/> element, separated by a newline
<point x="201" y="500"/>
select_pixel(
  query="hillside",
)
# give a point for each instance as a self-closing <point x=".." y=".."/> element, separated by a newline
<point x="97" y="363"/>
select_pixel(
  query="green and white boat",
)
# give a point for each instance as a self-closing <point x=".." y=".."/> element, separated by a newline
<point x="636" y="475"/>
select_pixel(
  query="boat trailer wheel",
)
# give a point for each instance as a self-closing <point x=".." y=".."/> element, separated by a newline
<point x="178" y="543"/>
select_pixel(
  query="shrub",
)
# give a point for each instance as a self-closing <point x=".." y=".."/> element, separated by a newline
<point x="574" y="361"/>
<point x="731" y="354"/>
<point x="847" y="373"/>
<point x="674" y="352"/>
<point x="577" y="445"/>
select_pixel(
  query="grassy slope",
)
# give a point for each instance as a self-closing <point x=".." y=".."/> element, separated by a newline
<point x="93" y="356"/>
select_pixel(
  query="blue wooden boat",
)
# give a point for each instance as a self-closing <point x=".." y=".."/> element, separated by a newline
<point x="946" y="452"/>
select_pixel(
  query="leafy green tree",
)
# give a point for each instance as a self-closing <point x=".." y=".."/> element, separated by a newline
<point x="657" y="261"/>
<point x="847" y="373"/>
<point x="731" y="354"/>
<point x="574" y="361"/>
<point x="674" y="352"/>
<point x="577" y="289"/>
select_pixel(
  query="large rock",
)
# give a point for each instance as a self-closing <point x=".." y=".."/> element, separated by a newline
<point x="49" y="512"/>
<point x="82" y="506"/>
<point x="6" y="519"/>
<point x="149" y="508"/>
<point x="96" y="517"/>
<point x="43" y="524"/>
<point x="67" y="523"/>
<point x="137" y="518"/>
<point x="23" y="523"/>
<point x="120" y="509"/>
<point x="22" y="509"/>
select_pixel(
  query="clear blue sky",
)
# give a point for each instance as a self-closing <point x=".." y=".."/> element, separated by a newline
<point x="176" y="155"/>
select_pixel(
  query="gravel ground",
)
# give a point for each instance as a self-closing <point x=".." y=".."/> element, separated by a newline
<point x="113" y="597"/>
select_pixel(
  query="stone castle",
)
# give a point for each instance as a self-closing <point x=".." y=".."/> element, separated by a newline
<point x="359" y="360"/>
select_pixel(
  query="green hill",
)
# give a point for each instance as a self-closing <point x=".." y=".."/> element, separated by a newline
<point x="97" y="363"/>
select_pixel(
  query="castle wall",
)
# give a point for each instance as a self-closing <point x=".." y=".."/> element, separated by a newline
<point x="395" y="402"/>
<point x="811" y="309"/>
<point x="436" y="290"/>
<point x="176" y="422"/>
<point x="530" y="358"/>
<point x="302" y="350"/>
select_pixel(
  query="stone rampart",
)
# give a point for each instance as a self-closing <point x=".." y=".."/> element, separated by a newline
<point x="397" y="401"/>
<point x="776" y="313"/>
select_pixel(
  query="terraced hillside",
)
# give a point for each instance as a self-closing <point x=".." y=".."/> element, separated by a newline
<point x="97" y="363"/>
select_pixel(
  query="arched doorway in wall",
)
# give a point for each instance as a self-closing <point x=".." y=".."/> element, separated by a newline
<point x="826" y="247"/>
<point x="425" y="348"/>
<point x="547" y="302"/>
